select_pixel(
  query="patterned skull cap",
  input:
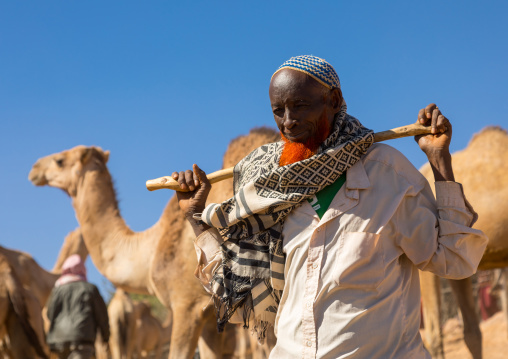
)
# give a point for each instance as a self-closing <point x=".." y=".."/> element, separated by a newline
<point x="319" y="69"/>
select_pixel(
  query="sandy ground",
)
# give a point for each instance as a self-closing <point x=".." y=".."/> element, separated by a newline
<point x="495" y="339"/>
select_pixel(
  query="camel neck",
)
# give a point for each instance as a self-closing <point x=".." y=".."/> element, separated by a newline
<point x="115" y="249"/>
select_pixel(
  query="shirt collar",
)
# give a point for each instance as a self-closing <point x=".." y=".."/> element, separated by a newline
<point x="356" y="177"/>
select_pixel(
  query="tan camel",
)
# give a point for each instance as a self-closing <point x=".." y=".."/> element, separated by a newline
<point x="73" y="244"/>
<point x="159" y="261"/>
<point x="122" y="325"/>
<point x="482" y="168"/>
<point x="36" y="281"/>
<point x="151" y="335"/>
<point x="20" y="317"/>
<point x="36" y="278"/>
<point x="133" y="328"/>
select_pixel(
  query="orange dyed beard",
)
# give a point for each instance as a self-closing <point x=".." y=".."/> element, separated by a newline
<point x="296" y="151"/>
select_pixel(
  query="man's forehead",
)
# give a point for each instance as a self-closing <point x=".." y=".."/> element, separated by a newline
<point x="293" y="78"/>
<point x="315" y="67"/>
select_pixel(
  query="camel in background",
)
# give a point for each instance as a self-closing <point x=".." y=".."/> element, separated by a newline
<point x="482" y="168"/>
<point x="122" y="325"/>
<point x="33" y="276"/>
<point x="20" y="317"/>
<point x="159" y="261"/>
<point x="73" y="244"/>
<point x="36" y="281"/>
<point x="151" y="335"/>
<point x="135" y="332"/>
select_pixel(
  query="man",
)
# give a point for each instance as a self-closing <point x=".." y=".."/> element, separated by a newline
<point x="326" y="232"/>
<point x="75" y="310"/>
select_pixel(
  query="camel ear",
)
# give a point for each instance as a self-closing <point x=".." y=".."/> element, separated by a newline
<point x="87" y="154"/>
<point x="105" y="155"/>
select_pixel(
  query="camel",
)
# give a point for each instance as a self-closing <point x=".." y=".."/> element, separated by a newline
<point x="73" y="244"/>
<point x="158" y="261"/>
<point x="134" y="329"/>
<point x="123" y="316"/>
<point x="151" y="335"/>
<point x="33" y="276"/>
<point x="36" y="281"/>
<point x="20" y="317"/>
<point x="482" y="168"/>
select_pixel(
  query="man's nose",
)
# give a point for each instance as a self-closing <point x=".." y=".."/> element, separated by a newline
<point x="289" y="120"/>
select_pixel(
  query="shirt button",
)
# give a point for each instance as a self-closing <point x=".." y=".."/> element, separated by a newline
<point x="309" y="343"/>
<point x="314" y="265"/>
<point x="309" y="305"/>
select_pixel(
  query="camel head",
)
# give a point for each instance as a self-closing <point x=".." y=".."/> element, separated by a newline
<point x="64" y="170"/>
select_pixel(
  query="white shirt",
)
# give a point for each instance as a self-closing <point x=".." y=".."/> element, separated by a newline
<point x="351" y="278"/>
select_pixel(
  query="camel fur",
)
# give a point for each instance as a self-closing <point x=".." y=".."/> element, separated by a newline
<point x="151" y="335"/>
<point x="482" y="168"/>
<point x="20" y="316"/>
<point x="158" y="261"/>
<point x="122" y="325"/>
<point x="37" y="283"/>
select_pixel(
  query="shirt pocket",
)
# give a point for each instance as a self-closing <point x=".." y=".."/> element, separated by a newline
<point x="359" y="262"/>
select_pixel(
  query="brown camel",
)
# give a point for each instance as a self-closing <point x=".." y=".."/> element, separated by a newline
<point x="33" y="276"/>
<point x="73" y="244"/>
<point x="482" y="168"/>
<point x="159" y="261"/>
<point x="151" y="335"/>
<point x="36" y="281"/>
<point x="133" y="328"/>
<point x="20" y="317"/>
<point x="122" y="325"/>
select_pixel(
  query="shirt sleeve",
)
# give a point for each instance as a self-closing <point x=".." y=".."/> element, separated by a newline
<point x="436" y="234"/>
<point x="207" y="246"/>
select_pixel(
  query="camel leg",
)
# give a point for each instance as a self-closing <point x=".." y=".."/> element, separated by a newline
<point x="158" y="350"/>
<point x="431" y="300"/>
<point x="18" y="340"/>
<point x="463" y="292"/>
<point x="185" y="333"/>
<point x="115" y="342"/>
<point x="211" y="342"/>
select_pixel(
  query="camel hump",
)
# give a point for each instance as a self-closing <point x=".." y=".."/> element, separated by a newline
<point x="489" y="131"/>
<point x="242" y="145"/>
<point x="490" y="138"/>
<point x="17" y="301"/>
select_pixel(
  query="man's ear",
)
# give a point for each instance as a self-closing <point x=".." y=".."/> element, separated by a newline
<point x="336" y="99"/>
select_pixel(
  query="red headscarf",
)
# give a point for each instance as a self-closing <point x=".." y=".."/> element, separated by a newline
<point x="73" y="270"/>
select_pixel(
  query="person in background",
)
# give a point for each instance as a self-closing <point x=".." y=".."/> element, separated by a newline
<point x="76" y="311"/>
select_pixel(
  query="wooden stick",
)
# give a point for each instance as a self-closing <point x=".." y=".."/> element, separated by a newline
<point x="399" y="132"/>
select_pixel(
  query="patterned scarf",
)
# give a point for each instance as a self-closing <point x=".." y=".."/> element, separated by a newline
<point x="251" y="275"/>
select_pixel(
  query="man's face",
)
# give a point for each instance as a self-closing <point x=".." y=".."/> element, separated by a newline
<point x="301" y="106"/>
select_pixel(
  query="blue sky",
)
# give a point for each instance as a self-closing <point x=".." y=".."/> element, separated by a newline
<point x="164" y="84"/>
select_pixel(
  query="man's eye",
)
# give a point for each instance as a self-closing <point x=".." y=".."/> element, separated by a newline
<point x="278" y="112"/>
